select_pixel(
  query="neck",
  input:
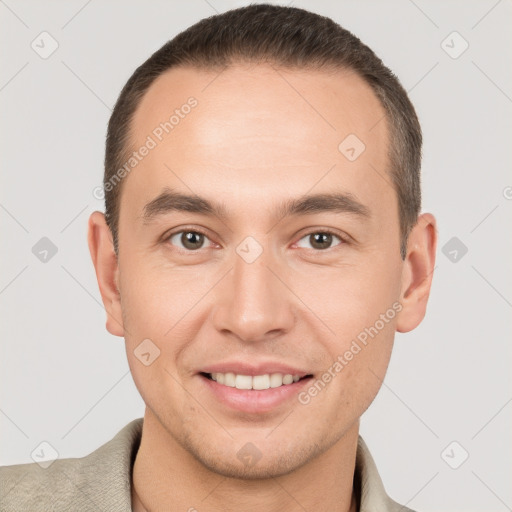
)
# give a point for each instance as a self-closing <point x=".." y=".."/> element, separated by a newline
<point x="166" y="477"/>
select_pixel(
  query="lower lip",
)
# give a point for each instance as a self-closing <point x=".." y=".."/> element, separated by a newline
<point x="254" y="400"/>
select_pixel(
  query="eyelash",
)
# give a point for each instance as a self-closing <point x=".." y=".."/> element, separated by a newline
<point x="343" y="240"/>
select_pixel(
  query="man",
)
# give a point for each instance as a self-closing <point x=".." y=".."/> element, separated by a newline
<point x="262" y="243"/>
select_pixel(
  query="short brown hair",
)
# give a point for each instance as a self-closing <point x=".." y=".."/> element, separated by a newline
<point x="291" y="38"/>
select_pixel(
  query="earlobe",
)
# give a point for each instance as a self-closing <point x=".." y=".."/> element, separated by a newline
<point x="106" y="266"/>
<point x="417" y="273"/>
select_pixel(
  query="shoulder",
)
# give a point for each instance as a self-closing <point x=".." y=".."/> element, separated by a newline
<point x="32" y="487"/>
<point x="98" y="481"/>
<point x="369" y="485"/>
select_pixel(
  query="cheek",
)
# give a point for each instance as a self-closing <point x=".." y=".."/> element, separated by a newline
<point x="155" y="298"/>
<point x="160" y="315"/>
<point x="348" y="299"/>
<point x="358" y="359"/>
<point x="358" y="307"/>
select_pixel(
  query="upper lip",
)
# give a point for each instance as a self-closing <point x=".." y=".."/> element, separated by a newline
<point x="252" y="369"/>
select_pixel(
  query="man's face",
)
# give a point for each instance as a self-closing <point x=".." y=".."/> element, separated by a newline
<point x="289" y="299"/>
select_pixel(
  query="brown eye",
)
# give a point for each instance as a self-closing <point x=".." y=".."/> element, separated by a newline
<point x="189" y="240"/>
<point x="320" y="240"/>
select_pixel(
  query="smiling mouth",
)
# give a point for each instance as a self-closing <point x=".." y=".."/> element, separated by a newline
<point x="256" y="382"/>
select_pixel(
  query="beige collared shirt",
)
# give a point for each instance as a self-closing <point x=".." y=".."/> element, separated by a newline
<point x="101" y="481"/>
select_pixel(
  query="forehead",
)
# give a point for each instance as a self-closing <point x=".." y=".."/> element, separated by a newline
<point x="247" y="128"/>
<point x="264" y="100"/>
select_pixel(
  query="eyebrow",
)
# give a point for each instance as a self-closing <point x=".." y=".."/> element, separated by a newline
<point x="173" y="201"/>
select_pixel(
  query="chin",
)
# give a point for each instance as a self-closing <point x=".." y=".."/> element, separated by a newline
<point x="245" y="461"/>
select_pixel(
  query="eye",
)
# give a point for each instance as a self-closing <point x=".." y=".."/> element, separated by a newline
<point x="320" y="240"/>
<point x="190" y="240"/>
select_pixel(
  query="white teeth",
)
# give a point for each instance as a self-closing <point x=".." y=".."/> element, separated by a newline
<point x="265" y="381"/>
<point x="243" y="382"/>
<point x="229" y="380"/>
<point x="261" y="381"/>
<point x="288" y="379"/>
<point x="276" y="380"/>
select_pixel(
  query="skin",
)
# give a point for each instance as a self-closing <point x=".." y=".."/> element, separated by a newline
<point x="251" y="142"/>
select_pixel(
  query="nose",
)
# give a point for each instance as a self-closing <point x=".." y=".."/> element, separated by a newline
<point x="253" y="302"/>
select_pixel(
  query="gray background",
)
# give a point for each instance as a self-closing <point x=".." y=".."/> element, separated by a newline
<point x="66" y="381"/>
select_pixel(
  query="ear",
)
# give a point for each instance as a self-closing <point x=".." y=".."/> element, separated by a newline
<point x="105" y="263"/>
<point x="417" y="273"/>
